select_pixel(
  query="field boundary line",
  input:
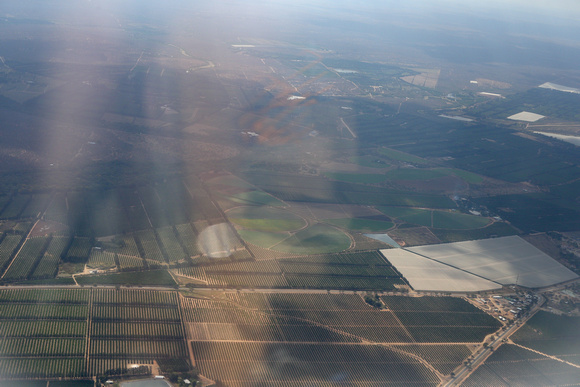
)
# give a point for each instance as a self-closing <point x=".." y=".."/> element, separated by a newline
<point x="88" y="333"/>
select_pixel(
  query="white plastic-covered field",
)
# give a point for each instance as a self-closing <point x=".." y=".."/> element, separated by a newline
<point x="526" y="116"/>
<point x="508" y="260"/>
<point x="425" y="274"/>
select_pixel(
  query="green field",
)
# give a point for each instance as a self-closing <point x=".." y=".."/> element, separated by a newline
<point x="363" y="178"/>
<point x="362" y="225"/>
<point x="494" y="230"/>
<point x="436" y="219"/>
<point x="256" y="198"/>
<point x="410" y="215"/>
<point x="316" y="239"/>
<point x="265" y="219"/>
<point x="262" y="238"/>
<point x="458" y="221"/>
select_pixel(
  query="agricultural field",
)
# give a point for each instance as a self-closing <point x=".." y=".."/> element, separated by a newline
<point x="171" y="244"/>
<point x="363" y="270"/>
<point x="361" y="224"/>
<point x="361" y="178"/>
<point x="151" y="277"/>
<point x="429" y="174"/>
<point x="494" y="230"/>
<point x="255" y="198"/>
<point x="265" y="219"/>
<point x="269" y="324"/>
<point x="436" y="219"/>
<point x="511" y="365"/>
<point x="151" y="250"/>
<point x="315" y="239"/>
<point x="8" y="248"/>
<point x="499" y="154"/>
<point x="27" y="259"/>
<point x="48" y="264"/>
<point x="542" y="101"/>
<point x="45" y="332"/>
<point x="552" y="335"/>
<point x="240" y="174"/>
<point x="315" y="190"/>
<point x="234" y="364"/>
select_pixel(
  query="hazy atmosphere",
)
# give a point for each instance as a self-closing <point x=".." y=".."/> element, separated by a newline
<point x="289" y="193"/>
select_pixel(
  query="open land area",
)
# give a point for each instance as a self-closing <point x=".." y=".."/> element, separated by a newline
<point x="288" y="194"/>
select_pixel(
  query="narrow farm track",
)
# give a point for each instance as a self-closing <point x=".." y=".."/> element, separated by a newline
<point x="546" y="355"/>
<point x="88" y="333"/>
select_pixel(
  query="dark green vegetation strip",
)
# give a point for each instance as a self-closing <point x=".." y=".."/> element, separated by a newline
<point x="482" y="149"/>
<point x="316" y="190"/>
<point x="495" y="230"/>
<point x="454" y="220"/>
<point x="140" y="278"/>
<point x="436" y="219"/>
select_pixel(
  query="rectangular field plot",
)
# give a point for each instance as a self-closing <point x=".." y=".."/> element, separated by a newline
<point x="334" y="318"/>
<point x="26" y="260"/>
<point x="270" y="364"/>
<point x="44" y="333"/>
<point x="151" y="249"/>
<point x="42" y="367"/>
<point x="441" y="319"/>
<point x="507" y="260"/>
